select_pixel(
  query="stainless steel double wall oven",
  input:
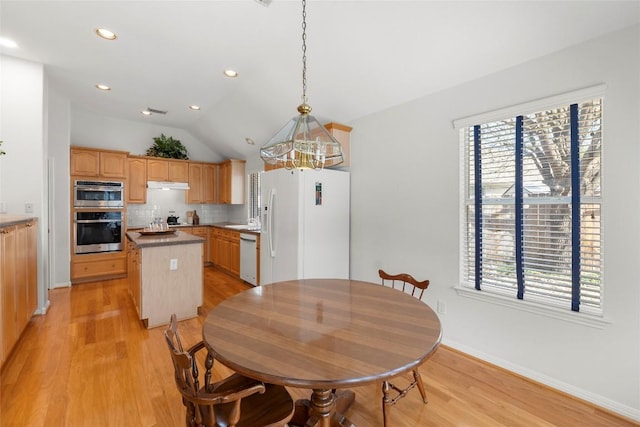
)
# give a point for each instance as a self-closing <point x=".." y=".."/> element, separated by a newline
<point x="98" y="215"/>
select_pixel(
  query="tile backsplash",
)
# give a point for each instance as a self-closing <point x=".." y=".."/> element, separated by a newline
<point x="161" y="202"/>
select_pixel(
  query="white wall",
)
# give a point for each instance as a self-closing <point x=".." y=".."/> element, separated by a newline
<point x="23" y="168"/>
<point x="90" y="130"/>
<point x="58" y="130"/>
<point x="405" y="217"/>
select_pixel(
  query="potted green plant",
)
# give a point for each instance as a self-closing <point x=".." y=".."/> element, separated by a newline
<point x="168" y="147"/>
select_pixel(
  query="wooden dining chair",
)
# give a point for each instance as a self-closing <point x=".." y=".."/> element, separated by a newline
<point x="236" y="401"/>
<point x="406" y="283"/>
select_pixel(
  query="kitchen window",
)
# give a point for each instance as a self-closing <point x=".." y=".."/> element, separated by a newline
<point x="254" y="195"/>
<point x="531" y="226"/>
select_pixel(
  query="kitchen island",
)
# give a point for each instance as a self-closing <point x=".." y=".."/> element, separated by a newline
<point x="165" y="275"/>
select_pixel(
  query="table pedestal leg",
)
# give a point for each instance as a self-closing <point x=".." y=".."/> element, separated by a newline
<point x="324" y="409"/>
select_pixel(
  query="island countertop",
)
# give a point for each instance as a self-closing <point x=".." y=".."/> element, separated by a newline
<point x="177" y="238"/>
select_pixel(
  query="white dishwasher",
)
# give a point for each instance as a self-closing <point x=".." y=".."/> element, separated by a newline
<point x="248" y="258"/>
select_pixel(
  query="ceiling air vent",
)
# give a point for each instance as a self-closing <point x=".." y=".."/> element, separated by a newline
<point x="154" y="111"/>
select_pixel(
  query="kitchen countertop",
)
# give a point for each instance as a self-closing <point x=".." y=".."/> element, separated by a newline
<point x="177" y="238"/>
<point x="215" y="224"/>
<point x="242" y="230"/>
<point x="8" y="220"/>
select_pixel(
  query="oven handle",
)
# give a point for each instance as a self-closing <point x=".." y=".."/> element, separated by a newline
<point x="93" y="221"/>
<point x="82" y="187"/>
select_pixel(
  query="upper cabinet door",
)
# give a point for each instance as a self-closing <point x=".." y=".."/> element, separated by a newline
<point x="137" y="182"/>
<point x="178" y="171"/>
<point x="85" y="162"/>
<point x="113" y="165"/>
<point x="157" y="170"/>
<point x="231" y="182"/>
<point x="96" y="163"/>
<point x="210" y="182"/>
<point x="194" y="193"/>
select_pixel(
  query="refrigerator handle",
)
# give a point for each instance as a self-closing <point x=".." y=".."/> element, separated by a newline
<point x="270" y="222"/>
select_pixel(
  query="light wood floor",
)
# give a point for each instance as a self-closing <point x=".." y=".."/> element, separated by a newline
<point x="89" y="362"/>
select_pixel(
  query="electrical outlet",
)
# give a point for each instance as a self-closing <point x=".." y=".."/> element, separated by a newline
<point x="28" y="208"/>
<point x="442" y="307"/>
<point x="3" y="207"/>
<point x="173" y="264"/>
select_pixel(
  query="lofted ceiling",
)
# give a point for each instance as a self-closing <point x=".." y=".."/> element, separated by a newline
<point x="362" y="56"/>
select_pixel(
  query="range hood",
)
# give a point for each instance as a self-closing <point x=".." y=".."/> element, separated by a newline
<point x="165" y="185"/>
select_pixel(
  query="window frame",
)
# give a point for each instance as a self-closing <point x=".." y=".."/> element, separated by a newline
<point x="589" y="316"/>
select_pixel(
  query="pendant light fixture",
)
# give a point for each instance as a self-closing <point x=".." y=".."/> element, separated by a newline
<point x="303" y="142"/>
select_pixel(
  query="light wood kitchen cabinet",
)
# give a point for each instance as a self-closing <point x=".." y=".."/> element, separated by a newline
<point x="161" y="289"/>
<point x="167" y="170"/>
<point x="90" y="162"/>
<point x="18" y="281"/>
<point x="91" y="267"/>
<point x="136" y="191"/>
<point x="209" y="183"/>
<point x="195" y="193"/>
<point x="226" y="250"/>
<point x="200" y="232"/>
<point x="8" y="289"/>
<point x="231" y="182"/>
<point x="133" y="268"/>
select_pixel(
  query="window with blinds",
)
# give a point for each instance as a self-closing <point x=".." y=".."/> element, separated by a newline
<point x="532" y="214"/>
<point x="253" y="204"/>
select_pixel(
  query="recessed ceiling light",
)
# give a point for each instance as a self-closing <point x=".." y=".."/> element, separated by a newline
<point x="103" y="87"/>
<point x="146" y="112"/>
<point x="8" y="43"/>
<point x="250" y="141"/>
<point x="231" y="73"/>
<point x="106" y="34"/>
<point x="194" y="107"/>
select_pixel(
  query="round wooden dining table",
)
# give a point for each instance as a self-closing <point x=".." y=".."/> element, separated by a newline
<point x="322" y="334"/>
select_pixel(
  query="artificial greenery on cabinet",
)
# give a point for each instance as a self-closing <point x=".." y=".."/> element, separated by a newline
<point x="168" y="147"/>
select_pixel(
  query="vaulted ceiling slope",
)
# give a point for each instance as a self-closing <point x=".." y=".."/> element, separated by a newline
<point x="362" y="56"/>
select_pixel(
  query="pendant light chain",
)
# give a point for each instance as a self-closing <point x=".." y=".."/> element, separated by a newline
<point x="303" y="143"/>
<point x="304" y="51"/>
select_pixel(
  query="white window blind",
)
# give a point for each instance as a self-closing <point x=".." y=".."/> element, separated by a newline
<point x="532" y="217"/>
<point x="254" y="195"/>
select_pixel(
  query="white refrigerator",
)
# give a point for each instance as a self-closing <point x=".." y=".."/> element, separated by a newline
<point x="305" y="224"/>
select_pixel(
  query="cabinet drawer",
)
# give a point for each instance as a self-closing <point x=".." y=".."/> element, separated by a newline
<point x="226" y="234"/>
<point x="105" y="267"/>
<point x="199" y="231"/>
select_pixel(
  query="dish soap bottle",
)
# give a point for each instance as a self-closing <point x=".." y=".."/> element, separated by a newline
<point x="196" y="218"/>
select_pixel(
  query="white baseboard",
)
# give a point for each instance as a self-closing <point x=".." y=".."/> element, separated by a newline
<point x="43" y="310"/>
<point x="61" y="285"/>
<point x="601" y="401"/>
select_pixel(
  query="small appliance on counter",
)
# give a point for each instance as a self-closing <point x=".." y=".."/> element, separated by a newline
<point x="172" y="219"/>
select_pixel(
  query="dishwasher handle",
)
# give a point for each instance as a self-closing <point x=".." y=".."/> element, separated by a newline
<point x="248" y="238"/>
